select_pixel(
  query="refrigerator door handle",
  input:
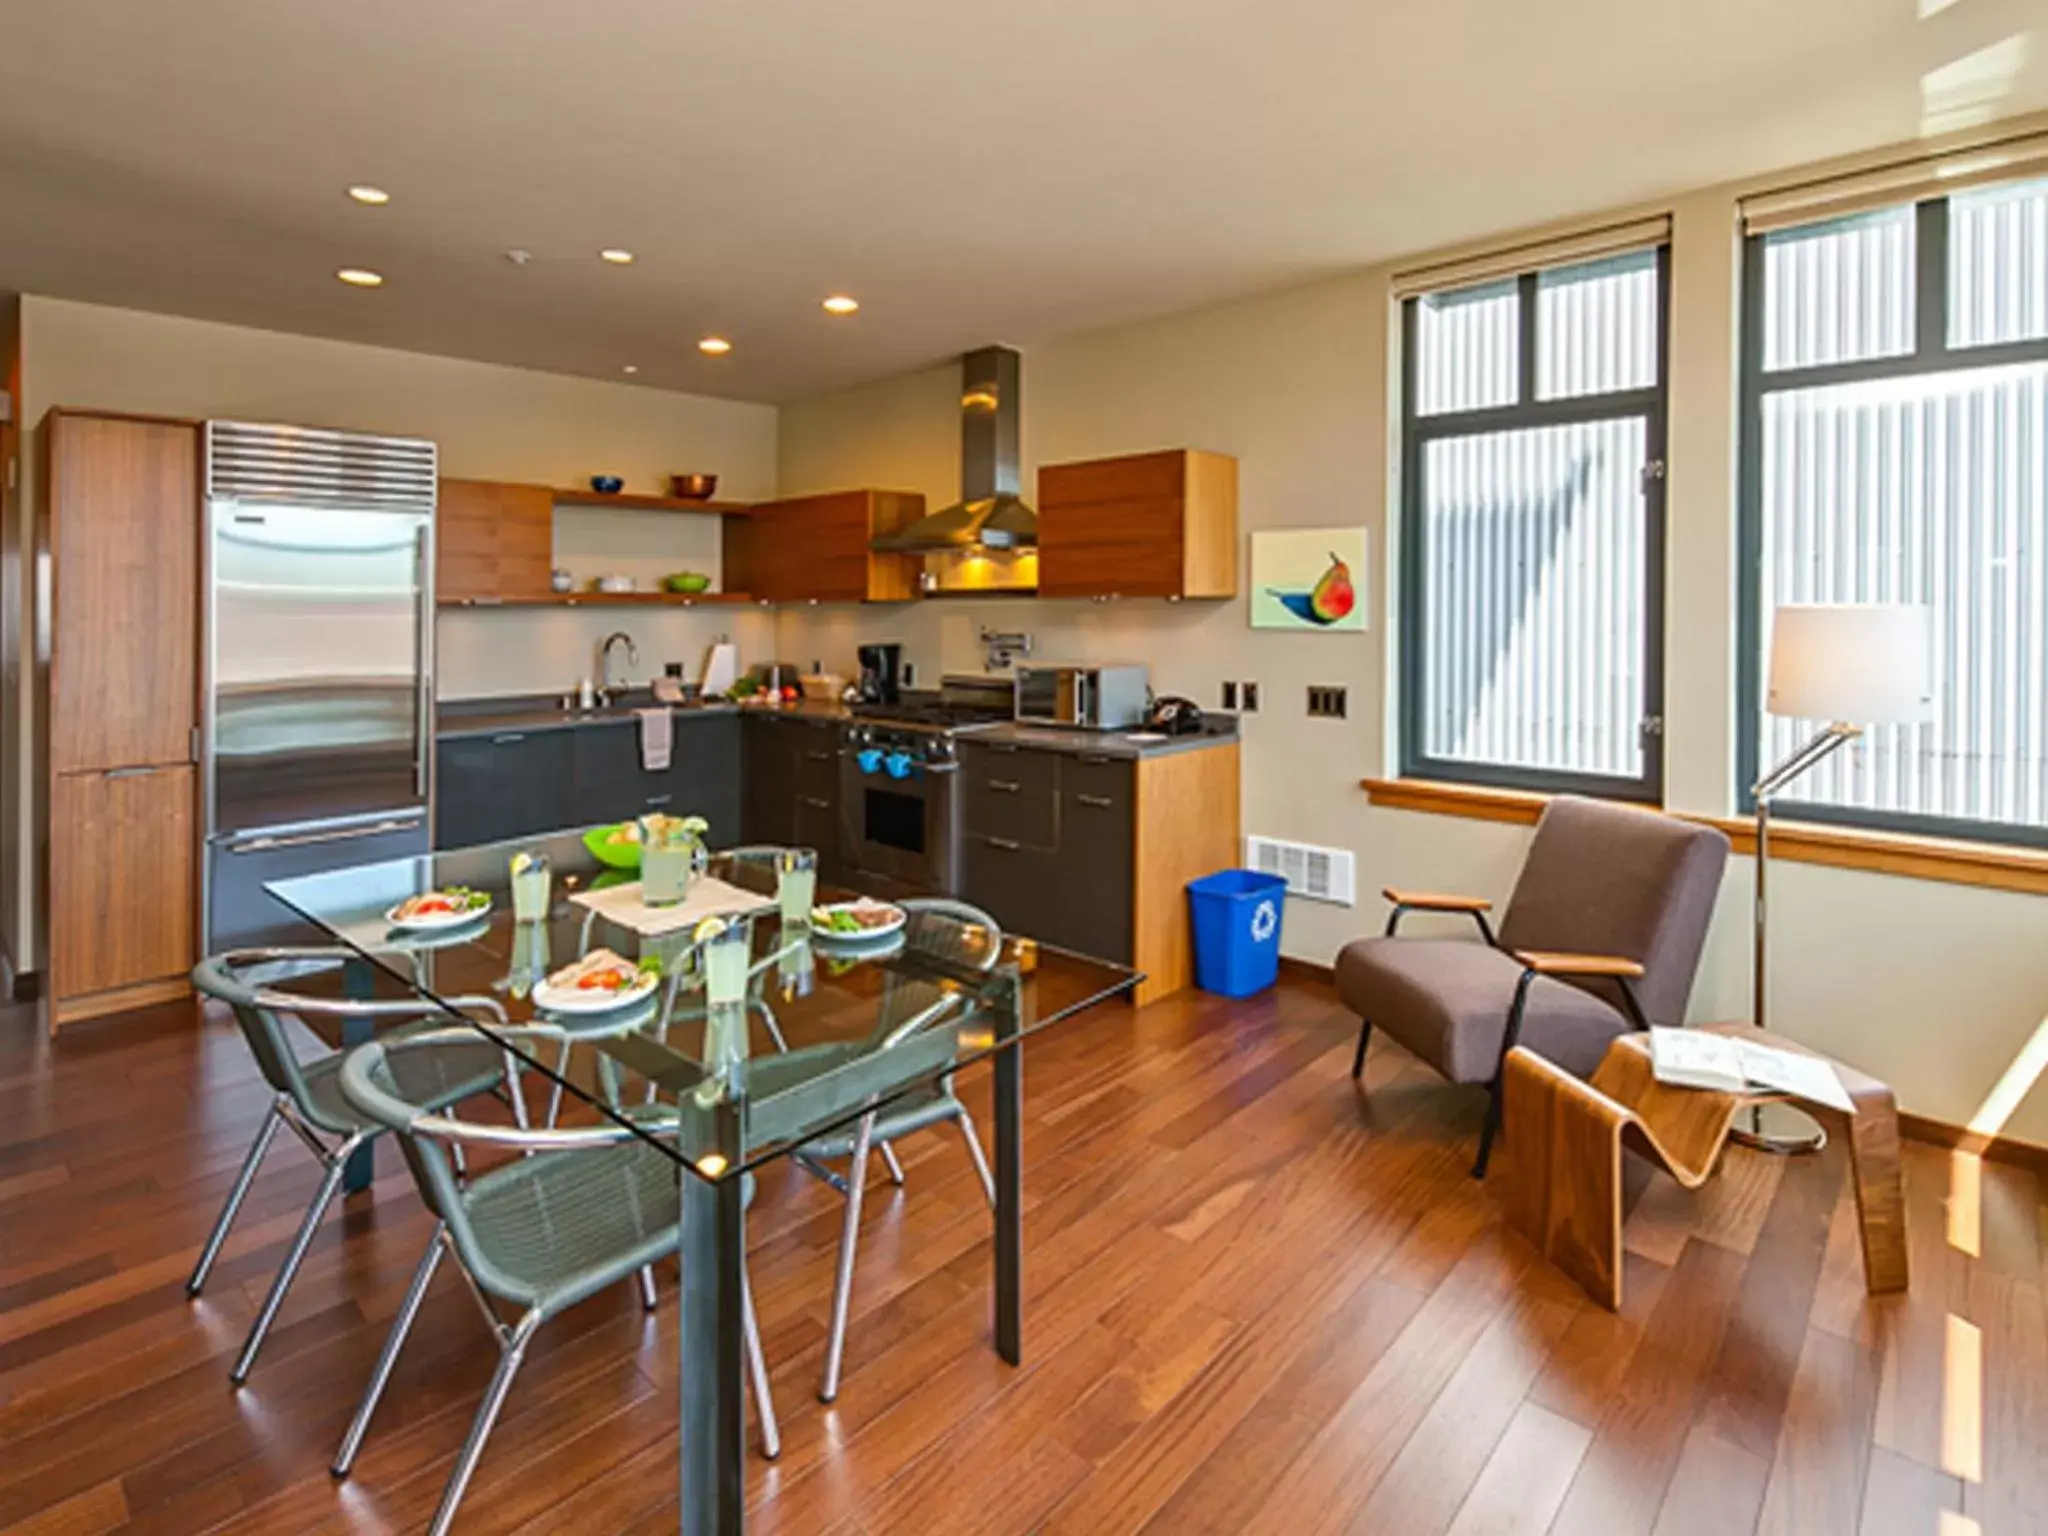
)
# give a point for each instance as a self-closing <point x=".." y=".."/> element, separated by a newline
<point x="423" y="650"/>
<point x="268" y="843"/>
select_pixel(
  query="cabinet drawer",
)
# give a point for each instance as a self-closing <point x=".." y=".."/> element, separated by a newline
<point x="513" y="784"/>
<point x="984" y="763"/>
<point x="1095" y="778"/>
<point x="1016" y="885"/>
<point x="817" y="761"/>
<point x="122" y="878"/>
<point x="1009" y="809"/>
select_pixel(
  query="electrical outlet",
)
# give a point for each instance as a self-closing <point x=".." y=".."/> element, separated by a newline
<point x="1325" y="702"/>
<point x="1230" y="695"/>
<point x="1250" y="693"/>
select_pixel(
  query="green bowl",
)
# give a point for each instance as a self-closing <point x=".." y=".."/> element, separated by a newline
<point x="615" y="855"/>
<point x="689" y="583"/>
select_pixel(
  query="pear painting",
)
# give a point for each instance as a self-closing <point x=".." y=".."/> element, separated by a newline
<point x="1308" y="579"/>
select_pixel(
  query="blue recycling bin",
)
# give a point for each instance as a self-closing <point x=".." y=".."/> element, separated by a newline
<point x="1236" y="916"/>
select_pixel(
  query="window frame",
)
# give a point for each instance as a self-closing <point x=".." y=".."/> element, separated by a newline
<point x="1651" y="404"/>
<point x="1931" y="354"/>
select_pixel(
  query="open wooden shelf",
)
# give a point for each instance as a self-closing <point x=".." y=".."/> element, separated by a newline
<point x="586" y="497"/>
<point x="603" y="600"/>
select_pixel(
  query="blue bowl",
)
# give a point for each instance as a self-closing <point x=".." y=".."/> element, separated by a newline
<point x="607" y="485"/>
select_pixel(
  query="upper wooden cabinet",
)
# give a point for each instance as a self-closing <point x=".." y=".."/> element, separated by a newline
<point x="815" y="549"/>
<point x="1145" y="525"/>
<point x="493" y="542"/>
<point x="122" y="501"/>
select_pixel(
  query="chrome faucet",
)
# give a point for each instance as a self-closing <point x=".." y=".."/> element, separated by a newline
<point x="604" y="660"/>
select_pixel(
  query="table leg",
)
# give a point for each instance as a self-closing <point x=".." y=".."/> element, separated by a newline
<point x="358" y="984"/>
<point x="1880" y="1191"/>
<point x="1009" y="1095"/>
<point x="711" y="1347"/>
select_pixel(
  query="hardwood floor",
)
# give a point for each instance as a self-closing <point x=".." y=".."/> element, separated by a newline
<point x="1257" y="1302"/>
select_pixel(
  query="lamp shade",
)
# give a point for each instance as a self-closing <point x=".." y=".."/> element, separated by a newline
<point x="1861" y="664"/>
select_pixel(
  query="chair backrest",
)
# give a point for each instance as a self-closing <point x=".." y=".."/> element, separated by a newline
<point x="1609" y="879"/>
<point x="952" y="931"/>
<point x="238" y="978"/>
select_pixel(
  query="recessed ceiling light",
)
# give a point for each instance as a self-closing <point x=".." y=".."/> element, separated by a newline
<point x="630" y="368"/>
<point x="361" y="277"/>
<point x="617" y="257"/>
<point x="376" y="197"/>
<point x="842" y="304"/>
<point x="715" y="346"/>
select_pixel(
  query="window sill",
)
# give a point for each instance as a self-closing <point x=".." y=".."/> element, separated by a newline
<point x="1990" y="865"/>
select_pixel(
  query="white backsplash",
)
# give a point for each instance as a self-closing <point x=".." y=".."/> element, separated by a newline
<point x="490" y="652"/>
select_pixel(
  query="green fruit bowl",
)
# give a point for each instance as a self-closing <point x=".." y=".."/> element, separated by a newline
<point x="615" y="855"/>
<point x="689" y="583"/>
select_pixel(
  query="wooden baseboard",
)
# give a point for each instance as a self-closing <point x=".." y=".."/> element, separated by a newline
<point x="1994" y="1149"/>
<point x="95" y="1005"/>
<point x="1306" y="970"/>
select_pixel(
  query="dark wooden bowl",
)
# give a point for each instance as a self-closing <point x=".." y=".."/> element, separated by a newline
<point x="692" y="487"/>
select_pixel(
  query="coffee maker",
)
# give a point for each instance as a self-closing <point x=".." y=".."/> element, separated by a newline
<point x="881" y="674"/>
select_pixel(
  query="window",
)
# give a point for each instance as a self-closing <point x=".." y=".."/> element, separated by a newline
<point x="1532" y="529"/>
<point x="1895" y="449"/>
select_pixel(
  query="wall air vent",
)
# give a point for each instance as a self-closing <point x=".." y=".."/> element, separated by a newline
<point x="311" y="467"/>
<point x="1320" y="874"/>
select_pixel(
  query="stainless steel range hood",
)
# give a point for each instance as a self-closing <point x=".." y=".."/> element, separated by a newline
<point x="990" y="514"/>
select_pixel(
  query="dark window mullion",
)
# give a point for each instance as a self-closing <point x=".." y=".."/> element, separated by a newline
<point x="1930" y="282"/>
<point x="1525" y="318"/>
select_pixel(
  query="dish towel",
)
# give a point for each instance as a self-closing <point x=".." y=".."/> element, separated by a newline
<point x="657" y="739"/>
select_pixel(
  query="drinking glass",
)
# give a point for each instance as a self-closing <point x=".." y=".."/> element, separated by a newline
<point x="531" y="882"/>
<point x="796" y="883"/>
<point x="529" y="956"/>
<point x="726" y="948"/>
<point x="669" y="857"/>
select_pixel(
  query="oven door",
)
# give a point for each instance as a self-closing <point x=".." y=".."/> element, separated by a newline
<point x="904" y="831"/>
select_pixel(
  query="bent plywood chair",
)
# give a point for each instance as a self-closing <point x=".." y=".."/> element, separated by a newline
<point x="1564" y="1139"/>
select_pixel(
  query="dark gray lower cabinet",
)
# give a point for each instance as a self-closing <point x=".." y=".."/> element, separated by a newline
<point x="509" y="785"/>
<point x="519" y="783"/>
<point x="702" y="778"/>
<point x="1047" y="845"/>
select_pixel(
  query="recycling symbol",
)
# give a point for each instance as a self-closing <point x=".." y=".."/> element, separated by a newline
<point x="1265" y="920"/>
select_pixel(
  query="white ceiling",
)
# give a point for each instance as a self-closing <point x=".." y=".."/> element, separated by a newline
<point x="971" y="171"/>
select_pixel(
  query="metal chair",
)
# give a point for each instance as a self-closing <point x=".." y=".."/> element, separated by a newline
<point x="964" y="934"/>
<point x="586" y="1208"/>
<point x="307" y="1091"/>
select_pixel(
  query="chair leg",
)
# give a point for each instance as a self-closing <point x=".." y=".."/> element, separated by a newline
<point x="978" y="1157"/>
<point x="757" y="1367"/>
<point x="257" y="1149"/>
<point x="486" y="1419"/>
<point x="650" y="1298"/>
<point x="294" y="1257"/>
<point x="515" y="1089"/>
<point x="561" y="1071"/>
<point x="1495" y="1094"/>
<point x="380" y="1376"/>
<point x="849" y="1242"/>
<point x="889" y="1162"/>
<point x="1364" y="1039"/>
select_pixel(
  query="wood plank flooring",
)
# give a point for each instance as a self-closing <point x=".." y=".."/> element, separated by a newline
<point x="1258" y="1301"/>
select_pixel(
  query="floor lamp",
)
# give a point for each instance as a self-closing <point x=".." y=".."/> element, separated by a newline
<point x="1851" y="665"/>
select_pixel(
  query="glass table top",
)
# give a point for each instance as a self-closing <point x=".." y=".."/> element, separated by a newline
<point x="751" y="1043"/>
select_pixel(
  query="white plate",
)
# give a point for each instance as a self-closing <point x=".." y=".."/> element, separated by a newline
<point x="433" y="920"/>
<point x="866" y="935"/>
<point x="578" y="1000"/>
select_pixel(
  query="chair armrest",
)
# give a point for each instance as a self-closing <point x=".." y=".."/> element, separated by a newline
<point x="1432" y="901"/>
<point x="1546" y="962"/>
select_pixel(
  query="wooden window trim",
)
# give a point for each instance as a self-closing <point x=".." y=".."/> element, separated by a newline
<point x="1993" y="866"/>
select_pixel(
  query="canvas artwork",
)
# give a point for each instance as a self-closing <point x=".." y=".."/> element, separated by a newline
<point x="1308" y="579"/>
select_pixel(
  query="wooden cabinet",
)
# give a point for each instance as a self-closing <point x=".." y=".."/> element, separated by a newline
<point x="123" y="499"/>
<point x="815" y="549"/>
<point x="119" y="504"/>
<point x="792" y="797"/>
<point x="493" y="542"/>
<point x="1146" y="525"/>
<point x="123" y="851"/>
<point x="702" y="779"/>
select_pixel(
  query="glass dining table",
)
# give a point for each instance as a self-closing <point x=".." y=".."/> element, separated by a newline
<point x="754" y="1037"/>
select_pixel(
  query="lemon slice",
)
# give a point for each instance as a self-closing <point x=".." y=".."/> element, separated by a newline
<point x="521" y="863"/>
<point x="710" y="928"/>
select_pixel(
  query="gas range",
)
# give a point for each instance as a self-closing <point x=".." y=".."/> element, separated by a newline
<point x="925" y="732"/>
<point x="898" y="778"/>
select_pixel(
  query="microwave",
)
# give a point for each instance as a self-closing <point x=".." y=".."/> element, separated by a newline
<point x="1088" y="698"/>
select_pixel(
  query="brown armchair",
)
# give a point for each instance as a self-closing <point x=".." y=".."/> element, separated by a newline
<point x="1602" y="934"/>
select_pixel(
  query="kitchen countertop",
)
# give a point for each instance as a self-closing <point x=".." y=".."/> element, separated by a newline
<point x="462" y="718"/>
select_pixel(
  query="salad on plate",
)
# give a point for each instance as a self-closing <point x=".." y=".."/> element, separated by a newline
<point x="600" y="980"/>
<point x="443" y="908"/>
<point x="864" y="918"/>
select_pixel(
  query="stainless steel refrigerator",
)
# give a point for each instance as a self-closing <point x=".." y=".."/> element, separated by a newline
<point x="317" y="691"/>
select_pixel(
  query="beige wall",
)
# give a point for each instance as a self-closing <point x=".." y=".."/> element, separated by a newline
<point x="1935" y="987"/>
<point x="490" y="422"/>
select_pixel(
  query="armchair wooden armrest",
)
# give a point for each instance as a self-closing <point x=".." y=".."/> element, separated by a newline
<point x="1404" y="902"/>
<point x="1433" y="901"/>
<point x="1546" y="962"/>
